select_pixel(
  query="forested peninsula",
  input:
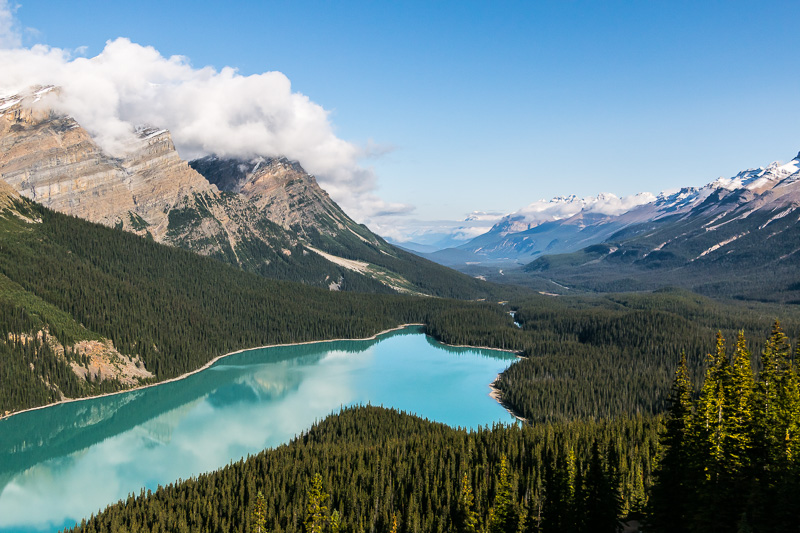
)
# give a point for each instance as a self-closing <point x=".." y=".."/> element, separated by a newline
<point x="722" y="460"/>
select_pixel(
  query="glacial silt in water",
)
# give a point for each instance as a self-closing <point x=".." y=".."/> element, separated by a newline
<point x="65" y="462"/>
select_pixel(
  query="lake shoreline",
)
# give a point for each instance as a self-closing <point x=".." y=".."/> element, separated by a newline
<point x="204" y="367"/>
<point x="495" y="393"/>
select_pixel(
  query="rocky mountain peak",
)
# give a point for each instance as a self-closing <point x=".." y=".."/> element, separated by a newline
<point x="48" y="157"/>
<point x="280" y="188"/>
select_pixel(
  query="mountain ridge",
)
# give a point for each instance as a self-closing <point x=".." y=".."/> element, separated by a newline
<point x="736" y="238"/>
<point x="547" y="232"/>
<point x="272" y="224"/>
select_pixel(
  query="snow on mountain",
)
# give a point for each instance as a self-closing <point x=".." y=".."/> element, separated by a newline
<point x="564" y="207"/>
<point x="758" y="179"/>
<point x="609" y="204"/>
<point x="568" y="223"/>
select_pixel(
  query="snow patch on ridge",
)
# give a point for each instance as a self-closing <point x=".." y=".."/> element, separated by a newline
<point x="720" y="245"/>
<point x="778" y="216"/>
<point x="9" y="103"/>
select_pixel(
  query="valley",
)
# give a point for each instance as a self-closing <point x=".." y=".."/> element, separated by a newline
<point x="735" y="238"/>
<point x="215" y="317"/>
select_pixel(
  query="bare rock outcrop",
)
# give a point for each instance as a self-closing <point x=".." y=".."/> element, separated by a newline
<point x="284" y="192"/>
<point x="49" y="158"/>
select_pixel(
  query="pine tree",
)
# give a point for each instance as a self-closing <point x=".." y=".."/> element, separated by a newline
<point x="711" y="410"/>
<point x="775" y="364"/>
<point x="738" y="420"/>
<point x="601" y="506"/>
<point x="335" y="522"/>
<point x="708" y="443"/>
<point x="558" y="494"/>
<point x="733" y="488"/>
<point x="317" y="517"/>
<point x="466" y="519"/>
<point x="503" y="516"/>
<point x="259" y="516"/>
<point x="671" y="497"/>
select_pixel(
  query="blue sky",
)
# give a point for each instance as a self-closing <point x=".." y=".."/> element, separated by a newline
<point x="493" y="105"/>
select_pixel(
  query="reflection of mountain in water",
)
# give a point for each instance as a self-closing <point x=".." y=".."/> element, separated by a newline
<point x="34" y="437"/>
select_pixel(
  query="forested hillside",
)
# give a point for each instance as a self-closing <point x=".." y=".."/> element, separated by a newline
<point x="173" y="311"/>
<point x="594" y="378"/>
<point x="613" y="355"/>
<point x="281" y="224"/>
<point x="386" y="471"/>
<point x="725" y="461"/>
<point x="66" y="280"/>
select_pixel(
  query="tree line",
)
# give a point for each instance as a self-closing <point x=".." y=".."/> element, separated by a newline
<point x="731" y="459"/>
<point x="373" y="469"/>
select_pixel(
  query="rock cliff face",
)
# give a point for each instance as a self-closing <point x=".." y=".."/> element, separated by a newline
<point x="265" y="215"/>
<point x="50" y="159"/>
<point x="284" y="192"/>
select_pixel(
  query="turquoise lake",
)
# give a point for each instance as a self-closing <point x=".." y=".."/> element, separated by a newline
<point x="68" y="461"/>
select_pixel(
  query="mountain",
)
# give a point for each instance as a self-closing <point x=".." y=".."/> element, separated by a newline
<point x="736" y="237"/>
<point x="568" y="224"/>
<point x="291" y="198"/>
<point x="285" y="192"/>
<point x="288" y="196"/>
<point x="87" y="309"/>
<point x="265" y="215"/>
<point x="49" y="158"/>
<point x="559" y="225"/>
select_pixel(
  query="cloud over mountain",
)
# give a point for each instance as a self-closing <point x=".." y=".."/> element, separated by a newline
<point x="563" y="207"/>
<point x="207" y="110"/>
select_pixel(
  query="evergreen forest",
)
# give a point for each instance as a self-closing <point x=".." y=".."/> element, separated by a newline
<point x="730" y="458"/>
<point x="605" y="437"/>
<point x="380" y="470"/>
<point x="724" y="458"/>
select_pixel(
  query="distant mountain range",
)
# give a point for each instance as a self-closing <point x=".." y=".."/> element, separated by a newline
<point x="567" y="224"/>
<point x="262" y="214"/>
<point x="736" y="237"/>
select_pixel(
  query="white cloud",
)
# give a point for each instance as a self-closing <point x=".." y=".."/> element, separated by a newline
<point x="562" y="207"/>
<point x="206" y="110"/>
<point x="483" y="216"/>
<point x="609" y="204"/>
<point x="10" y="35"/>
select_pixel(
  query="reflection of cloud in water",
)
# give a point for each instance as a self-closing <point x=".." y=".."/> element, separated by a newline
<point x="262" y="399"/>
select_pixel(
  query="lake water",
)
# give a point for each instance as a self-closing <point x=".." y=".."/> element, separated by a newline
<point x="62" y="463"/>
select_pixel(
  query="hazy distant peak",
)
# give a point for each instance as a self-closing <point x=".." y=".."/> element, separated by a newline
<point x="480" y="216"/>
<point x="562" y="207"/>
